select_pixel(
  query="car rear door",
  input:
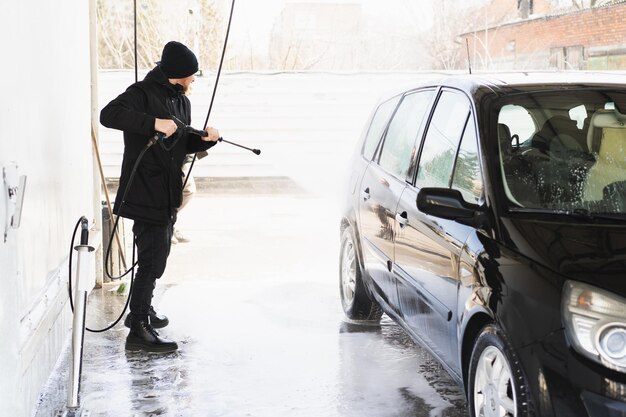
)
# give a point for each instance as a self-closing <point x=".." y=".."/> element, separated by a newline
<point x="380" y="189"/>
<point x="427" y="248"/>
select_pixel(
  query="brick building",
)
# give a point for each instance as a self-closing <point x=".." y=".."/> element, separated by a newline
<point x="593" y="38"/>
<point x="303" y="35"/>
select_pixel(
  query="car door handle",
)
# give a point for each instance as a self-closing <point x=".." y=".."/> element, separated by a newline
<point x="402" y="218"/>
<point x="365" y="194"/>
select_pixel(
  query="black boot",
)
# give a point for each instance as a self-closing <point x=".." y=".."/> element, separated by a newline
<point x="158" y="321"/>
<point x="142" y="336"/>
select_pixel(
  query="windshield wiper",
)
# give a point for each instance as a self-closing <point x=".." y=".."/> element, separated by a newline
<point x="577" y="213"/>
<point x="609" y="216"/>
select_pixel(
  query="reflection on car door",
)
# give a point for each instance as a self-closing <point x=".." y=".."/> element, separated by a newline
<point x="427" y="248"/>
<point x="381" y="187"/>
<point x="380" y="194"/>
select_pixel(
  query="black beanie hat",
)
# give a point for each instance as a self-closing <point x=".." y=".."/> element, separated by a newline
<point x="177" y="61"/>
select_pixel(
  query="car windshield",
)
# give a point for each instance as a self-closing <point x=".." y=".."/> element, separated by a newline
<point x="564" y="150"/>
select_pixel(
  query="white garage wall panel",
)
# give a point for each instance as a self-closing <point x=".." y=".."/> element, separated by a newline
<point x="45" y="130"/>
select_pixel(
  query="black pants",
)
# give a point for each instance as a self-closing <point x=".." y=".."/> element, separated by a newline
<point x="153" y="247"/>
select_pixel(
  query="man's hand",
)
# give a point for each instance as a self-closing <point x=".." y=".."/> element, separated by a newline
<point x="213" y="135"/>
<point x="165" y="126"/>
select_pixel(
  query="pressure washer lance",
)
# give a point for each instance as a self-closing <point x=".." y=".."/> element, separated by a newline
<point x="203" y="133"/>
<point x="254" y="151"/>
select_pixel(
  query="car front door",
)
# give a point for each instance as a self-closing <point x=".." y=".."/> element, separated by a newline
<point x="381" y="187"/>
<point x="427" y="248"/>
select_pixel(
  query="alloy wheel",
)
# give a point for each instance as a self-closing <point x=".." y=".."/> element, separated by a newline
<point x="348" y="272"/>
<point x="494" y="395"/>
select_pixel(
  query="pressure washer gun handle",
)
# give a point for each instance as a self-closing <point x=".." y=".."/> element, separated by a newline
<point x="202" y="133"/>
<point x="187" y="128"/>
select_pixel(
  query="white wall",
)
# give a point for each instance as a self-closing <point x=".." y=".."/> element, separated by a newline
<point x="45" y="129"/>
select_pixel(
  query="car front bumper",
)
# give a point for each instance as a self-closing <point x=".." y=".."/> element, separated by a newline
<point x="563" y="383"/>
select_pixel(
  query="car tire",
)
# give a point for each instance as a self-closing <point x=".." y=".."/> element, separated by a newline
<point x="356" y="303"/>
<point x="496" y="383"/>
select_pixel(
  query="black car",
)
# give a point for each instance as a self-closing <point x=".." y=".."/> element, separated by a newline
<point x="487" y="216"/>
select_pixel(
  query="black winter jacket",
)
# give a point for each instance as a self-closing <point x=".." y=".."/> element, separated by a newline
<point x="156" y="191"/>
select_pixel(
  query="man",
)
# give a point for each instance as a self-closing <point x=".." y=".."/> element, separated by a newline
<point x="145" y="108"/>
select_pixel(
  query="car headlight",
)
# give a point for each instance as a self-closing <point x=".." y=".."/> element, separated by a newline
<point x="595" y="323"/>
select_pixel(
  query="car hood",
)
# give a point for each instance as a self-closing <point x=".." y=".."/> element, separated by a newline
<point x="592" y="253"/>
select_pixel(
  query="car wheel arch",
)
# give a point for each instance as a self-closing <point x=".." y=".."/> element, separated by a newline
<point x="471" y="331"/>
<point x="356" y="235"/>
<point x="361" y="306"/>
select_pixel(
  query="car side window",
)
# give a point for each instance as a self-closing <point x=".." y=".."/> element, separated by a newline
<point x="467" y="175"/>
<point x="377" y="126"/>
<point x="399" y="145"/>
<point x="442" y="140"/>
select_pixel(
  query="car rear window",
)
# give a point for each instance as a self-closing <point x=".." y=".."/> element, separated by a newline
<point x="377" y="126"/>
<point x="399" y="146"/>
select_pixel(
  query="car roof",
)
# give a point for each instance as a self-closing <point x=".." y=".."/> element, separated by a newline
<point x="503" y="82"/>
<point x="511" y="80"/>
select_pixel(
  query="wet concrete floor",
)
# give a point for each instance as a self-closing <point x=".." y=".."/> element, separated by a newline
<point x="253" y="303"/>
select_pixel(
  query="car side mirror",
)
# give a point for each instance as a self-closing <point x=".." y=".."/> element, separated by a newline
<point x="448" y="204"/>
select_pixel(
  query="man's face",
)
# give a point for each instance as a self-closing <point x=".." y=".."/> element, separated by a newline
<point x="186" y="83"/>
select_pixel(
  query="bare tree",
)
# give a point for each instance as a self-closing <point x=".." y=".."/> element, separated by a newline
<point x="158" y="21"/>
<point x="479" y="25"/>
<point x="293" y="48"/>
<point x="440" y="41"/>
<point x="209" y="33"/>
<point x="116" y="34"/>
<point x="311" y="36"/>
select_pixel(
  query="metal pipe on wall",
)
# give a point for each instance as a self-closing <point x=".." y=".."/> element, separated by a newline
<point x="97" y="197"/>
<point x="83" y="285"/>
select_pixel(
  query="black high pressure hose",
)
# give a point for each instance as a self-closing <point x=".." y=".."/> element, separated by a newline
<point x="158" y="138"/>
<point x="70" y="282"/>
<point x="151" y="142"/>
